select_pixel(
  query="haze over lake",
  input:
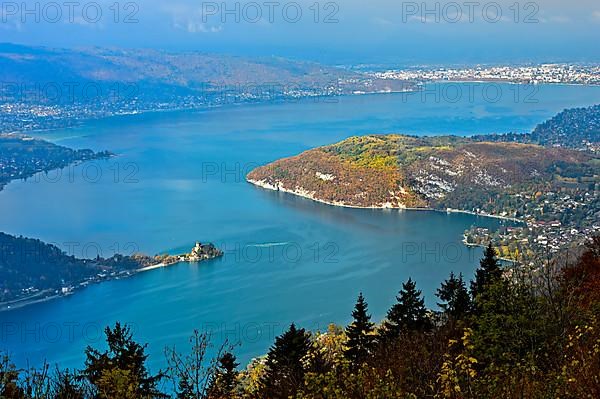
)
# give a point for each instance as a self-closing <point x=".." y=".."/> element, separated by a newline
<point x="179" y="178"/>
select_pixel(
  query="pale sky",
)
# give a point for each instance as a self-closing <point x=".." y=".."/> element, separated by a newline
<point x="373" y="31"/>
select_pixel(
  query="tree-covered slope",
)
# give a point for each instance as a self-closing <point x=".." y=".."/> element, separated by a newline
<point x="22" y="157"/>
<point x="577" y="128"/>
<point x="570" y="128"/>
<point x="27" y="262"/>
<point x="398" y="171"/>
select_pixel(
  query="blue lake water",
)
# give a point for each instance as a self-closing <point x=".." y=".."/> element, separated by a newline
<point x="179" y="178"/>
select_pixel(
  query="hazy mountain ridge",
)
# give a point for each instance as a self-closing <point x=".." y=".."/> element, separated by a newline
<point x="44" y="88"/>
<point x="21" y="64"/>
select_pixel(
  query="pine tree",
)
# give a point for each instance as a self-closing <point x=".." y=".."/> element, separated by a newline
<point x="361" y="339"/>
<point x="225" y="380"/>
<point x="453" y="292"/>
<point x="125" y="362"/>
<point x="284" y="369"/>
<point x="489" y="272"/>
<point x="408" y="314"/>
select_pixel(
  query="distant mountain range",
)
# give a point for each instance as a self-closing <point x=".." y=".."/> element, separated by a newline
<point x="45" y="88"/>
<point x="176" y="73"/>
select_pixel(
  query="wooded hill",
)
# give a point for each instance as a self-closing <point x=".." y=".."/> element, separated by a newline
<point x="397" y="171"/>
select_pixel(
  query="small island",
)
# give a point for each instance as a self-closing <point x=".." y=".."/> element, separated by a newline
<point x="199" y="253"/>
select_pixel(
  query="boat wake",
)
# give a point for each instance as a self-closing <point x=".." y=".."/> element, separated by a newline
<point x="268" y="244"/>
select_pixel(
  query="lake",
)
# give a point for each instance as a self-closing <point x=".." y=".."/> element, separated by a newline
<point x="179" y="178"/>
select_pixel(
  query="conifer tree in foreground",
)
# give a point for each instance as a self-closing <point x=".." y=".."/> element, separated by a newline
<point x="361" y="339"/>
<point x="225" y="380"/>
<point x="284" y="369"/>
<point x="453" y="292"/>
<point x="121" y="370"/>
<point x="408" y="314"/>
<point x="488" y="273"/>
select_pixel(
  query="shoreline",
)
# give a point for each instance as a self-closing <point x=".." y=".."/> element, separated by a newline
<point x="34" y="299"/>
<point x="264" y="185"/>
<point x="471" y="245"/>
<point x="192" y="257"/>
<point x="77" y="123"/>
<point x="513" y="82"/>
<point x="207" y="107"/>
<point x="270" y="187"/>
<point x="97" y="156"/>
<point x="27" y="301"/>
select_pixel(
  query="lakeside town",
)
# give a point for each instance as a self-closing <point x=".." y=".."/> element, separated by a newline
<point x="529" y="74"/>
<point x="551" y="222"/>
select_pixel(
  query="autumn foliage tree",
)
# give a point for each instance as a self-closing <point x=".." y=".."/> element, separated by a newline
<point x="224" y="381"/>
